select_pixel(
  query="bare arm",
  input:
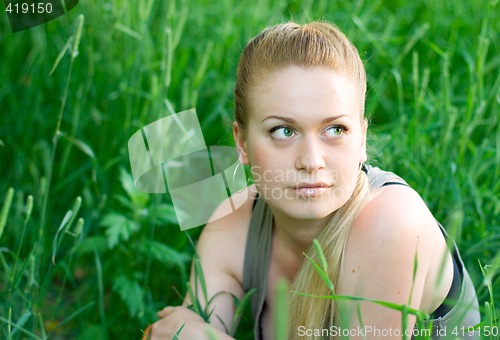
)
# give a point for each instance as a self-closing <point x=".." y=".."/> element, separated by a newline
<point x="220" y="249"/>
<point x="220" y="258"/>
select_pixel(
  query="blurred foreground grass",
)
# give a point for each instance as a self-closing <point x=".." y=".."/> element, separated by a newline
<point x="84" y="254"/>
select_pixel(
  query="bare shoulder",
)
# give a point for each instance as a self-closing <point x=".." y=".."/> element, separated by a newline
<point x="396" y="212"/>
<point x="393" y="233"/>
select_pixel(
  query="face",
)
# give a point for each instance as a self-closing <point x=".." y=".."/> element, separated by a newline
<point x="305" y="139"/>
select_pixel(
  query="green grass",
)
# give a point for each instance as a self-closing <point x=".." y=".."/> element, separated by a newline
<point x="434" y="97"/>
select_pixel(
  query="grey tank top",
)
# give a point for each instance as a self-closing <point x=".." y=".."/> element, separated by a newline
<point x="464" y="312"/>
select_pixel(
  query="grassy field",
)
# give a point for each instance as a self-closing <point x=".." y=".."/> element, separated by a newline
<point x="83" y="254"/>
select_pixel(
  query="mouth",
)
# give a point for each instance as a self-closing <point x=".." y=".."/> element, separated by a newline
<point x="310" y="189"/>
<point x="312" y="185"/>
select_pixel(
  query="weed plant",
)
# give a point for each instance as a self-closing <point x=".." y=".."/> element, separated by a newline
<point x="83" y="254"/>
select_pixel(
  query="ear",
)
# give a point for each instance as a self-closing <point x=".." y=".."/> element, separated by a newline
<point x="364" y="128"/>
<point x="241" y="142"/>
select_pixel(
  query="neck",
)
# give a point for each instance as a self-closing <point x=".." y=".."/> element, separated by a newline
<point x="297" y="234"/>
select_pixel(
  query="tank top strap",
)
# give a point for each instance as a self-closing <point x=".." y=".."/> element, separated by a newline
<point x="257" y="257"/>
<point x="378" y="177"/>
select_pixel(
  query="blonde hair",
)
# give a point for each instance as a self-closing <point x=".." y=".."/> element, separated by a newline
<point x="316" y="44"/>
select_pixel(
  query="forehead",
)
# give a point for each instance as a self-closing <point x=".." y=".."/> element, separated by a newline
<point x="307" y="94"/>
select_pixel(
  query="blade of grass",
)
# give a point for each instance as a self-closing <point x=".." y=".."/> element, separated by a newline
<point x="42" y="326"/>
<point x="5" y="209"/>
<point x="241" y="305"/>
<point x="20" y="329"/>
<point x="55" y="241"/>
<point x="74" y="314"/>
<point x="195" y="302"/>
<point x="66" y="223"/>
<point x="321" y="273"/>
<point x="176" y="335"/>
<point x="200" y="276"/>
<point x="390" y="305"/>
<point x="281" y="311"/>
<point x="61" y="54"/>
<point x="321" y="255"/>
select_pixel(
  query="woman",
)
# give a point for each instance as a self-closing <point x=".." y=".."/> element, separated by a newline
<point x="300" y="125"/>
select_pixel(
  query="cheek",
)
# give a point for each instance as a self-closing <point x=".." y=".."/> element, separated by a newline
<point x="346" y="154"/>
<point x="264" y="167"/>
<point x="269" y="168"/>
<point x="344" y="165"/>
<point x="261" y="153"/>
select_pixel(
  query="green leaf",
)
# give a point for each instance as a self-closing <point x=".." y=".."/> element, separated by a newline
<point x="29" y="209"/>
<point x="321" y="255"/>
<point x="5" y="209"/>
<point x="198" y="271"/>
<point x="22" y="330"/>
<point x="127" y="30"/>
<point x="223" y="324"/>
<point x="411" y="41"/>
<point x="61" y="55"/>
<point x="415" y="268"/>
<point x="390" y="305"/>
<point x="79" y="144"/>
<point x="240" y="308"/>
<point x="131" y="294"/>
<point x="78" y="35"/>
<point x="127" y="182"/>
<point x="55" y="240"/>
<point x="138" y="198"/>
<point x="489" y="271"/>
<point x="92" y="244"/>
<point x="161" y="252"/>
<point x="176" y="335"/>
<point x="118" y="228"/>
<point x="196" y="305"/>
<point x="321" y="273"/>
<point x="164" y="214"/>
<point x="22" y="321"/>
<point x="281" y="310"/>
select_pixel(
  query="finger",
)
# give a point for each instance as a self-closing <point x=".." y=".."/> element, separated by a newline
<point x="165" y="311"/>
<point x="147" y="333"/>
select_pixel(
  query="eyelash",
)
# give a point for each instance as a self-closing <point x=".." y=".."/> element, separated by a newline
<point x="274" y="129"/>
<point x="339" y="126"/>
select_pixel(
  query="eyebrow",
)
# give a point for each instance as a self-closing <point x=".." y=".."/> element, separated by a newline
<point x="292" y="121"/>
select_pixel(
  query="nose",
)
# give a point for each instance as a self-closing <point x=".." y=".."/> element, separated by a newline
<point x="310" y="155"/>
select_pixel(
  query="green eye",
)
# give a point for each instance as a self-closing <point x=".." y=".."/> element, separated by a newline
<point x="287" y="132"/>
<point x="335" y="131"/>
<point x="282" y="132"/>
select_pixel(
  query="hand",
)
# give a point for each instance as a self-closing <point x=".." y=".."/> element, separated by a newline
<point x="172" y="319"/>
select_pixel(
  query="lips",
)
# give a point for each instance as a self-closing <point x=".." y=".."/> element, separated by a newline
<point x="310" y="189"/>
<point x="312" y="185"/>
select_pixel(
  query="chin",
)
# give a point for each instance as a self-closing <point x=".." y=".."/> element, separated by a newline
<point x="307" y="209"/>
